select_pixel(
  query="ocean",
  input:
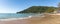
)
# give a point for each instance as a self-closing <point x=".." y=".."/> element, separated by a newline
<point x="14" y="15"/>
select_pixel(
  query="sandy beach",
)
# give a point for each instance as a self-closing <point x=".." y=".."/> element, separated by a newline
<point x="49" y="19"/>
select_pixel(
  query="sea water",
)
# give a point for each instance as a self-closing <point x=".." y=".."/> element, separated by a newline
<point x="14" y="16"/>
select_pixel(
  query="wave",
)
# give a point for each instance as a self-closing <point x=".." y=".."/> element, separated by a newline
<point x="10" y="19"/>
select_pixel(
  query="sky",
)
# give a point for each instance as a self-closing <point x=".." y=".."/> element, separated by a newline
<point x="13" y="6"/>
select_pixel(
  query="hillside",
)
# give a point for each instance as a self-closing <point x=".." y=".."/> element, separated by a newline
<point x="38" y="9"/>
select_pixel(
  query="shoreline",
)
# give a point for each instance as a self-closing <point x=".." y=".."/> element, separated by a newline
<point x="10" y="19"/>
<point x="28" y="20"/>
<point x="29" y="17"/>
<point x="46" y="19"/>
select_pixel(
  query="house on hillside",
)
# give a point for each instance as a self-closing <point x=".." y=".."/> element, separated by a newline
<point x="58" y="10"/>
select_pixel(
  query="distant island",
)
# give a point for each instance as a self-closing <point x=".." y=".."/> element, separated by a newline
<point x="39" y="9"/>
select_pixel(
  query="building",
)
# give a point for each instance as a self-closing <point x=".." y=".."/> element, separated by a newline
<point x="58" y="10"/>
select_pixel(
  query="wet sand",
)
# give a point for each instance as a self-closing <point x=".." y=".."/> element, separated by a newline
<point x="48" y="19"/>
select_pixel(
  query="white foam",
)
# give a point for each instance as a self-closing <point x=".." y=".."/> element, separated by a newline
<point x="9" y="19"/>
<point x="30" y="16"/>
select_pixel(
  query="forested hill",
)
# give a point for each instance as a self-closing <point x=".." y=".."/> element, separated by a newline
<point x="38" y="9"/>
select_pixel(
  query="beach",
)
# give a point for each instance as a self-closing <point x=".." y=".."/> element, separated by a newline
<point x="48" y="19"/>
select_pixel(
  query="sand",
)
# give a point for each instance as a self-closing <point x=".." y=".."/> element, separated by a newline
<point x="47" y="19"/>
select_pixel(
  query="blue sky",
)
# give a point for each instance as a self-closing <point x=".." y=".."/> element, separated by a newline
<point x="13" y="6"/>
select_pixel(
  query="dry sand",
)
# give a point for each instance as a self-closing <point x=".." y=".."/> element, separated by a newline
<point x="48" y="19"/>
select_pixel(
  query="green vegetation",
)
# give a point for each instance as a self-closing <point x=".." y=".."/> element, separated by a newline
<point x="38" y="9"/>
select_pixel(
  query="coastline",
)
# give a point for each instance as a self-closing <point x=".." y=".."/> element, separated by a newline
<point x="48" y="19"/>
<point x="26" y="20"/>
<point x="10" y="19"/>
<point x="29" y="17"/>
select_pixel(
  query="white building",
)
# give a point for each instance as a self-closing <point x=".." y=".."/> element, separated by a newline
<point x="58" y="10"/>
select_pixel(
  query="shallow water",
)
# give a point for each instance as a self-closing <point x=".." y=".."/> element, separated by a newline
<point x="14" y="15"/>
